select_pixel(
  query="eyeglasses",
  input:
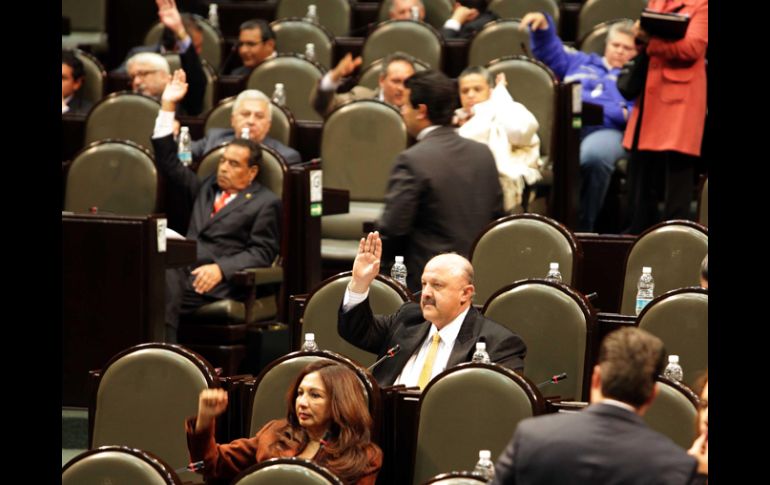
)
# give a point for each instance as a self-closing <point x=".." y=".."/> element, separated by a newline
<point x="249" y="43"/>
<point x="142" y="73"/>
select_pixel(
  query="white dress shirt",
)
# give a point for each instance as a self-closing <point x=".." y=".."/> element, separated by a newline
<point x="410" y="374"/>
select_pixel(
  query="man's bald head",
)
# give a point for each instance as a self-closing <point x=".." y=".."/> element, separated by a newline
<point x="447" y="288"/>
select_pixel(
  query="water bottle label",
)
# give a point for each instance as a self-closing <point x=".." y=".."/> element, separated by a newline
<point x="640" y="304"/>
<point x="185" y="158"/>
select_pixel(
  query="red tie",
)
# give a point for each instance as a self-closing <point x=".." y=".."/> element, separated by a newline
<point x="220" y="202"/>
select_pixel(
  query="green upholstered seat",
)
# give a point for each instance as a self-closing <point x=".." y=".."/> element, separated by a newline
<point x="298" y="75"/>
<point x="118" y="465"/>
<point x="293" y="34"/>
<point x="674" y="413"/>
<point x="417" y="39"/>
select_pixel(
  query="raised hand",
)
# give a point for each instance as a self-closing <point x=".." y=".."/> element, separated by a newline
<point x="345" y="67"/>
<point x="175" y="90"/>
<point x="534" y="21"/>
<point x="169" y="16"/>
<point x="366" y="266"/>
<point x="211" y="403"/>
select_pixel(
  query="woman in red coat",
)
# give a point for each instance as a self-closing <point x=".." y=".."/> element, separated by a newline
<point x="666" y="126"/>
<point x="327" y="422"/>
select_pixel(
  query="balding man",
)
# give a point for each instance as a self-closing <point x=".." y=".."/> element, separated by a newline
<point x="439" y="333"/>
<point x="395" y="69"/>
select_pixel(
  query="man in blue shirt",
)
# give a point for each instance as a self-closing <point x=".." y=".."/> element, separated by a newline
<point x="601" y="145"/>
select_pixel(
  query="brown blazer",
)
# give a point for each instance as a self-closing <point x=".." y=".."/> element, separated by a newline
<point x="227" y="461"/>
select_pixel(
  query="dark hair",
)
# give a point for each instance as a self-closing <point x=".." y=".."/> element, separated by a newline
<point x="68" y="57"/>
<point x="395" y="57"/>
<point x="630" y="359"/>
<point x="349" y="449"/>
<point x="480" y="5"/>
<point x="255" y="152"/>
<point x="436" y="91"/>
<point x="264" y="28"/>
<point x="704" y="269"/>
<point x="481" y="71"/>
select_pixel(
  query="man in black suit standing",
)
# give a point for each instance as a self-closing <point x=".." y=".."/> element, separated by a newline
<point x="444" y="189"/>
<point x="235" y="220"/>
<point x="439" y="333"/>
<point x="608" y="442"/>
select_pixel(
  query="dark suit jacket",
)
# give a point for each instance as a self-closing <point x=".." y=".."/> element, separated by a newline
<point x="408" y="328"/>
<point x="602" y="444"/>
<point x="243" y="234"/>
<point x="441" y="193"/>
<point x="217" y="136"/>
<point x="469" y="29"/>
<point x="79" y="105"/>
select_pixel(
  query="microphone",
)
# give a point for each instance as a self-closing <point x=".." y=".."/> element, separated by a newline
<point x="193" y="467"/>
<point x="553" y="380"/>
<point x="389" y="354"/>
<point x="227" y="59"/>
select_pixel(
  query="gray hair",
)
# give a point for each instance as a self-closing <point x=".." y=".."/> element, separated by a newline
<point x="625" y="26"/>
<point x="157" y="61"/>
<point x="393" y="4"/>
<point x="253" y="94"/>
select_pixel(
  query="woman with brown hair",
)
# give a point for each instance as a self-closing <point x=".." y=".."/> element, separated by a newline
<point x="327" y="422"/>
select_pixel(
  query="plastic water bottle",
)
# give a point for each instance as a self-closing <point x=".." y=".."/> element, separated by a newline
<point x="646" y="288"/>
<point x="245" y="132"/>
<point x="214" y="15"/>
<point x="309" y="345"/>
<point x="312" y="13"/>
<point x="310" y="51"/>
<point x="279" y="95"/>
<point x="398" y="271"/>
<point x="553" y="273"/>
<point x="481" y="356"/>
<point x="673" y="370"/>
<point x="415" y="13"/>
<point x="185" y="147"/>
<point x="485" y="467"/>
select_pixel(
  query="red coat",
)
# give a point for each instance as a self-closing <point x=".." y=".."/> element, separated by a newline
<point x="675" y="93"/>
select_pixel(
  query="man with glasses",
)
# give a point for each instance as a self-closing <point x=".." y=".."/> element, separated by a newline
<point x="256" y="44"/>
<point x="150" y="72"/>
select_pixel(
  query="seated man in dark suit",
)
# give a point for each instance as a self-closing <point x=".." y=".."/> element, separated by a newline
<point x="72" y="77"/>
<point x="608" y="442"/>
<point x="444" y="189"/>
<point x="394" y="71"/>
<point x="440" y="332"/>
<point x="235" y="220"/>
<point x="256" y="44"/>
<point x="252" y="110"/>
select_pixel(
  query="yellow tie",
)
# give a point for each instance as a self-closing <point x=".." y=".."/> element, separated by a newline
<point x="427" y="368"/>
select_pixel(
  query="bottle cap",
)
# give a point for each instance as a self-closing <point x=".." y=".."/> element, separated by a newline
<point x="485" y="454"/>
<point x="554" y="266"/>
<point x="309" y="46"/>
<point x="673" y="359"/>
<point x="399" y="259"/>
<point x="278" y="85"/>
<point x="481" y="346"/>
<point x="646" y="270"/>
<point x="185" y="129"/>
<point x="309" y="336"/>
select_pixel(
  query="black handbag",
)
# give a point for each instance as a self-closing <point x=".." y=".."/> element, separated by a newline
<point x="633" y="75"/>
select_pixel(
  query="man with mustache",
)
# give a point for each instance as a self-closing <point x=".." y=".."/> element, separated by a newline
<point x="439" y="333"/>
